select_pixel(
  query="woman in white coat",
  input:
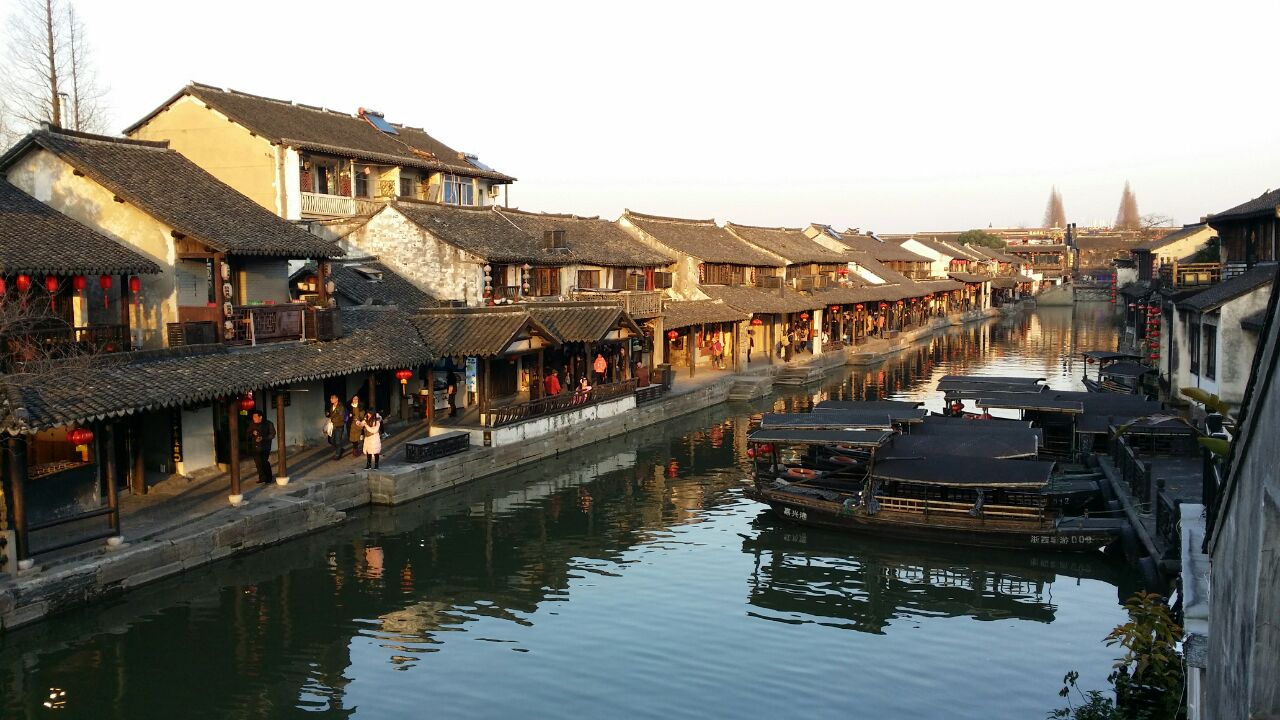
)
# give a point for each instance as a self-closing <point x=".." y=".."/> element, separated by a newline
<point x="372" y="439"/>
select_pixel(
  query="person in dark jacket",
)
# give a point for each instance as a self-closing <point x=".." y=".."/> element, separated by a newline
<point x="355" y="426"/>
<point x="453" y="394"/>
<point x="336" y="422"/>
<point x="261" y="433"/>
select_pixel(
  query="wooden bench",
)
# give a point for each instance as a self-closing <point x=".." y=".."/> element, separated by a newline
<point x="437" y="446"/>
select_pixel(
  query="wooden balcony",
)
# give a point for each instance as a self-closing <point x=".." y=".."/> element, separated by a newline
<point x="337" y="205"/>
<point x="19" y="349"/>
<point x="1186" y="275"/>
<point x="638" y="304"/>
<point x="262" y="324"/>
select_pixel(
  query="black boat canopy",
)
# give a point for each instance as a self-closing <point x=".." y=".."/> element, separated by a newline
<point x="831" y="420"/>
<point x="1105" y="355"/>
<point x="868" y="404"/>
<point x="947" y="421"/>
<point x="1127" y="370"/>
<point x="860" y="438"/>
<point x="972" y="472"/>
<point x="962" y="389"/>
<point x="996" y="379"/>
<point x="977" y="430"/>
<point x="1029" y="401"/>
<point x="1003" y="445"/>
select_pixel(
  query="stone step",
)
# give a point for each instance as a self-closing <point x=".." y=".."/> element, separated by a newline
<point x="750" y="388"/>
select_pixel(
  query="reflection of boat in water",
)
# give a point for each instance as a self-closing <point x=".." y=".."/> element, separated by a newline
<point x="970" y="483"/>
<point x="863" y="584"/>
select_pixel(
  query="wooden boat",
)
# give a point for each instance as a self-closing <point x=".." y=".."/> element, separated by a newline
<point x="1117" y="372"/>
<point x="968" y="499"/>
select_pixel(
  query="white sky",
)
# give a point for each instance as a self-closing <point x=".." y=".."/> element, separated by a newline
<point x="887" y="116"/>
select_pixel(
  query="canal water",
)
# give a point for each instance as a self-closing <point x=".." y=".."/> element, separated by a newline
<point x="628" y="579"/>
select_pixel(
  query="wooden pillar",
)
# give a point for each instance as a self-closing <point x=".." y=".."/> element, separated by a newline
<point x="773" y="334"/>
<point x="486" y="389"/>
<point x="138" y="475"/>
<point x="589" y="359"/>
<point x="124" y="310"/>
<point x="372" y="389"/>
<point x="694" y="332"/>
<point x="282" y="467"/>
<point x="538" y="388"/>
<point x="16" y="445"/>
<point x="737" y="350"/>
<point x="233" y="448"/>
<point x="322" y="280"/>
<point x="107" y="461"/>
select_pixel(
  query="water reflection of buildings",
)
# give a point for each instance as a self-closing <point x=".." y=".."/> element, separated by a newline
<point x="810" y="575"/>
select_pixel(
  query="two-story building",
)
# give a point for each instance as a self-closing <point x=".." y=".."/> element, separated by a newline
<point x="206" y="310"/>
<point x="1048" y="264"/>
<point x="304" y="162"/>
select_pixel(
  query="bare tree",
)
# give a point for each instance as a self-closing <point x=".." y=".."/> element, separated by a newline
<point x="1054" y="214"/>
<point x="48" y="76"/>
<point x="1128" y="218"/>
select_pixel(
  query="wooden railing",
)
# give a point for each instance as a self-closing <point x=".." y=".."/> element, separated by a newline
<point x="1177" y="275"/>
<point x="556" y="404"/>
<point x="258" y="324"/>
<point x="638" y="304"/>
<point x="924" y="506"/>
<point x="59" y="343"/>
<point x="337" y="205"/>
<point x="1134" y="471"/>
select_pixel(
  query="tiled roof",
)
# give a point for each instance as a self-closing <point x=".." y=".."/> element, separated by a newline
<point x="483" y="332"/>
<point x="367" y="281"/>
<point x="760" y="300"/>
<point x="321" y="130"/>
<point x="173" y="190"/>
<point x="1227" y="290"/>
<point x="791" y="243"/>
<point x="1034" y="248"/>
<point x="879" y="250"/>
<point x="479" y="231"/>
<point x="590" y="240"/>
<point x="1265" y="204"/>
<point x="1171" y="238"/>
<point x="684" y="314"/>
<point x="969" y="277"/>
<point x="576" y="322"/>
<point x="116" y="385"/>
<point x="875" y="267"/>
<point x="36" y="239"/>
<point x="995" y="254"/>
<point x="702" y="239"/>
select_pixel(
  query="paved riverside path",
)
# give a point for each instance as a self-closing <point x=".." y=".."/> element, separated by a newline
<point x="185" y="524"/>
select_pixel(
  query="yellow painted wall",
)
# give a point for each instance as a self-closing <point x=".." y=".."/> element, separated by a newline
<point x="51" y="181"/>
<point x="224" y="149"/>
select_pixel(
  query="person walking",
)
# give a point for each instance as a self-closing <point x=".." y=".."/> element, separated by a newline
<point x="552" y="383"/>
<point x="355" y="425"/>
<point x="751" y="343"/>
<point x="261" y="433"/>
<point x="453" y="394"/>
<point x="717" y="352"/>
<point x="372" y="439"/>
<point x="601" y="367"/>
<point x="335" y="426"/>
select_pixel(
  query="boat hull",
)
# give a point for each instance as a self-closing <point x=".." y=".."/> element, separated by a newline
<point x="1067" y="536"/>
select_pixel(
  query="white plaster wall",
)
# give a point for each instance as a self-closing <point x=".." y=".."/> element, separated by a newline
<point x="438" y="268"/>
<point x="304" y="417"/>
<point x="291" y="202"/>
<point x="53" y="182"/>
<point x="563" y="422"/>
<point x="198" y="450"/>
<point x="684" y="272"/>
<point x="1237" y="346"/>
<point x="939" y="264"/>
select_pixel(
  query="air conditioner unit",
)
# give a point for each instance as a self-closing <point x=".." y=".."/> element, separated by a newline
<point x="495" y="191"/>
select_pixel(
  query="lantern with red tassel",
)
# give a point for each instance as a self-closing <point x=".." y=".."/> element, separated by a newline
<point x="672" y="334"/>
<point x="105" y="282"/>
<point x="51" y="285"/>
<point x="403" y="376"/>
<point x="135" y="287"/>
<point x="23" y="283"/>
<point x="78" y="283"/>
<point x="246" y="403"/>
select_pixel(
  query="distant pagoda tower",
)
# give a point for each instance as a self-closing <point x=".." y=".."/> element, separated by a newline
<point x="1054" y="215"/>
<point x="1128" y="217"/>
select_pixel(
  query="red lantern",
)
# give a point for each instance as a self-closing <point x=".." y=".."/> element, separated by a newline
<point x="765" y="449"/>
<point x="835" y="308"/>
<point x="403" y="376"/>
<point x="858" y="307"/>
<point x="135" y="284"/>
<point x="105" y="282"/>
<point x="672" y="334"/>
<point x="842" y="271"/>
<point x="1089" y="360"/>
<point x="77" y="283"/>
<point x="246" y="402"/>
<point x="4" y="287"/>
<point x="804" y="316"/>
<point x="751" y="452"/>
<point x="900" y="303"/>
<point x="80" y="436"/>
<point x="884" y="305"/>
<point x="51" y="283"/>
<point x="757" y="321"/>
<point x="23" y="283"/>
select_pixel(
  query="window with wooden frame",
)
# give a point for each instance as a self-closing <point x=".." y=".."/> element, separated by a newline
<point x="546" y="282"/>
<point x="588" y="279"/>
